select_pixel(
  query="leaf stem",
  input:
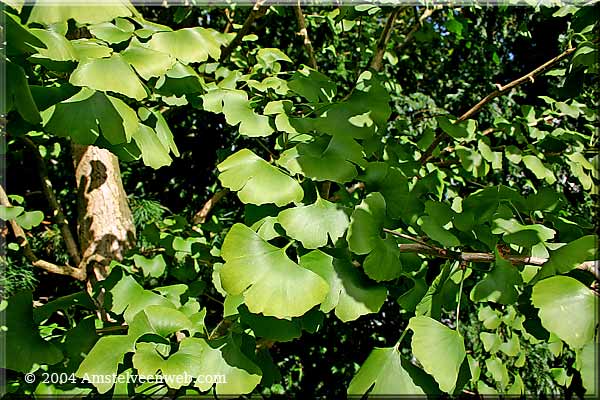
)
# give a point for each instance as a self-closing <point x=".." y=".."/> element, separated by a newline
<point x="397" y="345"/>
<point x="463" y="266"/>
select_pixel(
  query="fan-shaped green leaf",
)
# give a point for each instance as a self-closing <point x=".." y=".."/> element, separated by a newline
<point x="313" y="224"/>
<point x="12" y="212"/>
<point x="256" y="181"/>
<point x="498" y="285"/>
<point x="153" y="267"/>
<point x="430" y="340"/>
<point x="29" y="219"/>
<point x="350" y="292"/>
<point x="81" y="11"/>
<point x="148" y="63"/>
<point x="86" y="115"/>
<point x="153" y="151"/>
<point x="325" y="158"/>
<point x="129" y="297"/>
<point x="364" y="237"/>
<point x="587" y="365"/>
<point x="104" y="359"/>
<point x="189" y="45"/>
<point x="567" y="308"/>
<point x="113" y="33"/>
<point x="239" y="374"/>
<point x="109" y="74"/>
<point x="386" y="371"/>
<point x="569" y="256"/>
<point x="272" y="284"/>
<point x="177" y="369"/>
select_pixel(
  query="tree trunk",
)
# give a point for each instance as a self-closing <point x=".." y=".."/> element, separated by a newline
<point x="105" y="224"/>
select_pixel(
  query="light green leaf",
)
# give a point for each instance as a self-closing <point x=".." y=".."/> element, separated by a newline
<point x="267" y="56"/>
<point x="129" y="297"/>
<point x="148" y="63"/>
<point x="189" y="45"/>
<point x="313" y="224"/>
<point x="312" y="85"/>
<point x="236" y="107"/>
<point x="177" y="369"/>
<point x="567" y="309"/>
<point x="511" y="347"/>
<point x="270" y="281"/>
<point x="153" y="267"/>
<point x="160" y="320"/>
<point x="239" y="374"/>
<point x="84" y="13"/>
<point x="538" y="168"/>
<point x="29" y="219"/>
<point x="350" y="292"/>
<point x="112" y="33"/>
<point x="586" y="364"/>
<point x="104" y="359"/>
<point x="325" y="158"/>
<point x="109" y="74"/>
<point x="568" y="257"/>
<point x="491" y="342"/>
<point x="431" y="339"/>
<point x="521" y="235"/>
<point x="390" y="374"/>
<point x="90" y="48"/>
<point x="498" y="370"/>
<point x="154" y="154"/>
<point x="256" y="181"/>
<point x="8" y="213"/>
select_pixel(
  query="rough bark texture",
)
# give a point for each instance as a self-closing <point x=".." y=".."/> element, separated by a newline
<point x="105" y="224"/>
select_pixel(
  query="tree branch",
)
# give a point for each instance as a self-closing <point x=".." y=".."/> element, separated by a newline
<point x="76" y="273"/>
<point x="529" y="77"/>
<point x="200" y="216"/>
<point x="257" y="11"/>
<point x="59" y="216"/>
<point x="411" y="34"/>
<point x="376" y="63"/>
<point x="590" y="266"/>
<point x="312" y="61"/>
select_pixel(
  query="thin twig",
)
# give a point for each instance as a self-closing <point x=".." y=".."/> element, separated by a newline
<point x="312" y="61"/>
<point x="529" y="77"/>
<point x="77" y="273"/>
<point x="376" y="63"/>
<point x="257" y="11"/>
<point x="411" y="34"/>
<point x="201" y="216"/>
<point x="59" y="216"/>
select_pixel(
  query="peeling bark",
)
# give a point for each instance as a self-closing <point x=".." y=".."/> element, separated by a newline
<point x="105" y="223"/>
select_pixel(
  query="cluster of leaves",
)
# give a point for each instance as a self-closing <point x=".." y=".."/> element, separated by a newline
<point x="331" y="212"/>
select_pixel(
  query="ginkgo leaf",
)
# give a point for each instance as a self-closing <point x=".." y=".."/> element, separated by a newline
<point x="364" y="237"/>
<point x="240" y="374"/>
<point x="498" y="285"/>
<point x="234" y="104"/>
<point x="104" y="359"/>
<point x="389" y="374"/>
<point x="272" y="284"/>
<point x="131" y="298"/>
<point x="189" y="45"/>
<point x="350" y="292"/>
<point x="109" y="74"/>
<point x="569" y="256"/>
<point x="313" y="224"/>
<point x="87" y="114"/>
<point x="257" y="181"/>
<point x="325" y="158"/>
<point x="82" y="12"/>
<point x="154" y="153"/>
<point x="567" y="309"/>
<point x="147" y="62"/>
<point x="177" y="369"/>
<point x="429" y="341"/>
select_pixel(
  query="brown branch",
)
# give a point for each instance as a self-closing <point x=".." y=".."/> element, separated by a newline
<point x="376" y="63"/>
<point x="200" y="216"/>
<point x="529" y="77"/>
<point x="19" y="233"/>
<point x="257" y="11"/>
<point x="59" y="216"/>
<point x="312" y="61"/>
<point x="411" y="34"/>
<point x="590" y="266"/>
